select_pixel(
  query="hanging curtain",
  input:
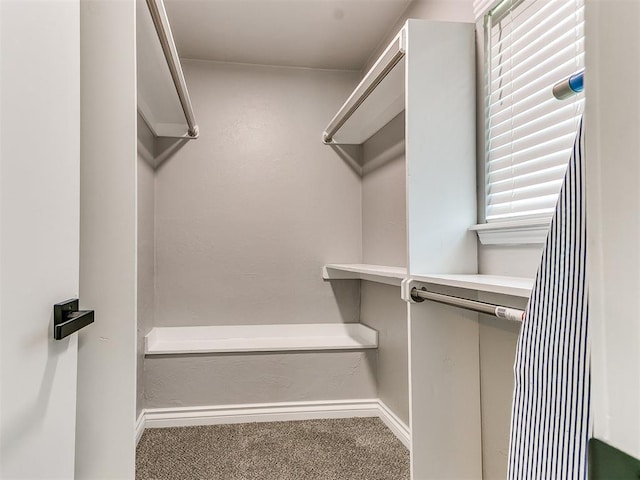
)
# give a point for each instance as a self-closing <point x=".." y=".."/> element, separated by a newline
<point x="550" y="421"/>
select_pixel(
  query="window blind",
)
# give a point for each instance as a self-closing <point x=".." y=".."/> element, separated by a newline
<point x="530" y="45"/>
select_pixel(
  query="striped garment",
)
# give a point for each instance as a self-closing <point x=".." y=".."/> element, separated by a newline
<point x="550" y="420"/>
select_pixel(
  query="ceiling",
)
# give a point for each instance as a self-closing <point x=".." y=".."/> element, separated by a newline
<point x="303" y="33"/>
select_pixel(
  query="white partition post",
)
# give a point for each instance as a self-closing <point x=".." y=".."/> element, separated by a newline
<point x="441" y="204"/>
<point x="107" y="355"/>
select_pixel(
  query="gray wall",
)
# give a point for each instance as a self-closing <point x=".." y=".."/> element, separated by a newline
<point x="246" y="216"/>
<point x="384" y="310"/>
<point x="230" y="379"/>
<point x="384" y="242"/>
<point x="257" y="204"/>
<point x="384" y="219"/>
<point x="146" y="248"/>
<point x="498" y="340"/>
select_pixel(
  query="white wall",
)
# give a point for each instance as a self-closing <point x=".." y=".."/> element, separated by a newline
<point x="108" y="244"/>
<point x="612" y="123"/>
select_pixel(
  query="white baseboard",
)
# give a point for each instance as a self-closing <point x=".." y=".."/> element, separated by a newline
<point x="271" y="412"/>
<point x="140" y="426"/>
<point x="397" y="426"/>
<point x="260" y="412"/>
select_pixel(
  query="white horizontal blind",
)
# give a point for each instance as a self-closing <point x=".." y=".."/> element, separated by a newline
<point x="531" y="45"/>
<point x="480" y="7"/>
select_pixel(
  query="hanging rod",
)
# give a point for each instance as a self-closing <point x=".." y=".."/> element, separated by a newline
<point x="383" y="66"/>
<point x="569" y="86"/>
<point x="481" y="307"/>
<point x="161" y="22"/>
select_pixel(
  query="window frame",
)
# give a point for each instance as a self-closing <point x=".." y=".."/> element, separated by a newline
<point x="521" y="230"/>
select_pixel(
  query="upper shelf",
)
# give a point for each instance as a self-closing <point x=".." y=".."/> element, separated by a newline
<point x="377" y="99"/>
<point x="515" y="286"/>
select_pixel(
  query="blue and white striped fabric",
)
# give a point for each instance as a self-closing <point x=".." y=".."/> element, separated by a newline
<point x="550" y="421"/>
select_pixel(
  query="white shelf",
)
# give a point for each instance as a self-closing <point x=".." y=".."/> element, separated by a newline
<point x="515" y="286"/>
<point x="373" y="273"/>
<point x="259" y="338"/>
<point x="377" y="99"/>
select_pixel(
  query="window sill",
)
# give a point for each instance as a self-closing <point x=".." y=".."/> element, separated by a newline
<point x="513" y="232"/>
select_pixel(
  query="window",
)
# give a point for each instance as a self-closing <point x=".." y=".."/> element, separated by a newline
<point x="530" y="46"/>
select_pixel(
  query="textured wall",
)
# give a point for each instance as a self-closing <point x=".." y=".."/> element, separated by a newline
<point x="384" y="219"/>
<point x="247" y="215"/>
<point x="384" y="242"/>
<point x="230" y="379"/>
<point x="384" y="310"/>
<point x="498" y="340"/>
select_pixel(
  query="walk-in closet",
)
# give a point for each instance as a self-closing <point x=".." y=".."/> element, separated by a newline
<point x="330" y="240"/>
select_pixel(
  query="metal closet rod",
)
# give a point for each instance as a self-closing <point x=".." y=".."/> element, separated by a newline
<point x="419" y="295"/>
<point x="569" y="86"/>
<point x="161" y="22"/>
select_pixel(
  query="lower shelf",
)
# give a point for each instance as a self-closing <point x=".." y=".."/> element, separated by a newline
<point x="259" y="338"/>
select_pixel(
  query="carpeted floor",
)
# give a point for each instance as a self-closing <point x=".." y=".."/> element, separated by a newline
<point x="342" y="449"/>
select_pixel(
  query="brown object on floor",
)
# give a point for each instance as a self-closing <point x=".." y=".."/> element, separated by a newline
<point x="341" y="449"/>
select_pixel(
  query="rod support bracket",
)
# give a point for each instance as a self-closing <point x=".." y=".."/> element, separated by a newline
<point x="406" y="291"/>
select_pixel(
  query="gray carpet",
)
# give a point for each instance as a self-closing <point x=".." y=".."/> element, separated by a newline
<point x="343" y="449"/>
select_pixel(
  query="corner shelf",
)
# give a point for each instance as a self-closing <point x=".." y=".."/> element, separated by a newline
<point x="357" y="271"/>
<point x="259" y="338"/>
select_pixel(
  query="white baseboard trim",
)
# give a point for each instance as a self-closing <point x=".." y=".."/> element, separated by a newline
<point x="140" y="426"/>
<point x="271" y="412"/>
<point x="260" y="412"/>
<point x="397" y="426"/>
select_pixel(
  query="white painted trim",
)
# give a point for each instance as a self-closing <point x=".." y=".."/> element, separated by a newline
<point x="140" y="426"/>
<point x="513" y="232"/>
<point x="263" y="412"/>
<point x="259" y="338"/>
<point x="393" y="422"/>
<point x="272" y="412"/>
